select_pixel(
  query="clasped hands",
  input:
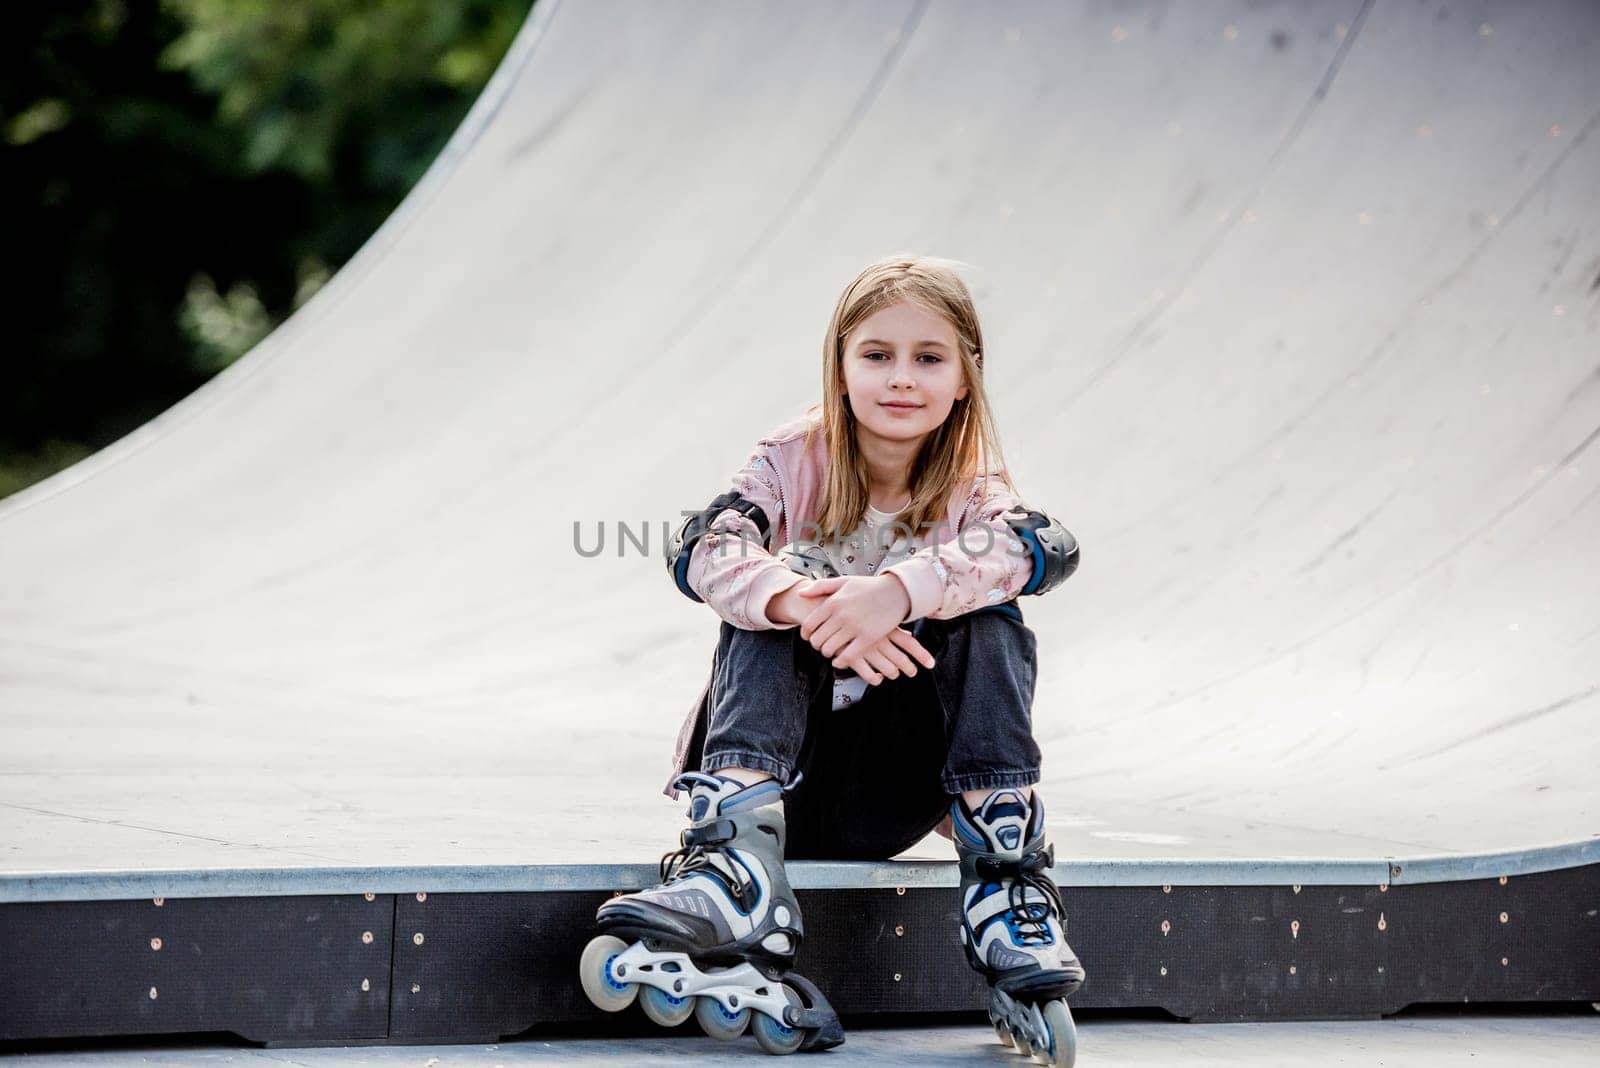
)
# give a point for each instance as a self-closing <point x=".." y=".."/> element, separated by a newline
<point x="854" y="620"/>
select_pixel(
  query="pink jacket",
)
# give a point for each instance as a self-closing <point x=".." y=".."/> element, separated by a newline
<point x="958" y="566"/>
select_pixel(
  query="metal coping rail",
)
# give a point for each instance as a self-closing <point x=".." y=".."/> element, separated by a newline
<point x="34" y="886"/>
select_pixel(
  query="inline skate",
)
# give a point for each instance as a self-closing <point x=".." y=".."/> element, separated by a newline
<point x="717" y="938"/>
<point x="1012" y="924"/>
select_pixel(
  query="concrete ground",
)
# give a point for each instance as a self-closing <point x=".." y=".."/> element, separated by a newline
<point x="1501" y="1036"/>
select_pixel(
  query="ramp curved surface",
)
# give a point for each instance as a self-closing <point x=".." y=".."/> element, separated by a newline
<point x="1294" y="317"/>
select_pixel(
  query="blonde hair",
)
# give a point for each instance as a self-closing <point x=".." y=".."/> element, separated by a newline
<point x="963" y="446"/>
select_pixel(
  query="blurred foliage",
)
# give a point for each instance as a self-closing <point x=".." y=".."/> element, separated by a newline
<point x="177" y="176"/>
<point x="297" y="77"/>
<point x="51" y="457"/>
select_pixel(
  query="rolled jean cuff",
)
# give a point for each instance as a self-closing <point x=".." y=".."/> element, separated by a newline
<point x="750" y="761"/>
<point x="989" y="780"/>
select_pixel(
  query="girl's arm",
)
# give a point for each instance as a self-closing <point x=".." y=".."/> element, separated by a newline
<point x="730" y="569"/>
<point x="985" y="565"/>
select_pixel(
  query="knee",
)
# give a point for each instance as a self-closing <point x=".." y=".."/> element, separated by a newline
<point x="995" y="621"/>
<point x="774" y="638"/>
<point x="781" y="645"/>
<point x="991" y="633"/>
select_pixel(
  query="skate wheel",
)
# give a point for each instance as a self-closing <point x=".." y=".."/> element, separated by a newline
<point x="663" y="1008"/>
<point x="1063" y="1049"/>
<point x="717" y="1021"/>
<point x="1001" y="1031"/>
<point x="1020" y="1041"/>
<point x="594" y="972"/>
<point x="775" y="1036"/>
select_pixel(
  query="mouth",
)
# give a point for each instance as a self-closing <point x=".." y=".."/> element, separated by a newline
<point x="899" y="407"/>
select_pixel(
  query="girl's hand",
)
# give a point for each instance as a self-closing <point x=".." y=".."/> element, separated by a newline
<point x="850" y="626"/>
<point x="892" y="656"/>
<point x="790" y="607"/>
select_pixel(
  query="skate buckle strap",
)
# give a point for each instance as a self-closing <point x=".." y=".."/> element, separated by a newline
<point x="716" y="832"/>
<point x="992" y="867"/>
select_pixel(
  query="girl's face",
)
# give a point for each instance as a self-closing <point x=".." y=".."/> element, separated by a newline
<point x="902" y="372"/>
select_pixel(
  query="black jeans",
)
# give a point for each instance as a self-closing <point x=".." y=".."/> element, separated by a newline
<point x="877" y="775"/>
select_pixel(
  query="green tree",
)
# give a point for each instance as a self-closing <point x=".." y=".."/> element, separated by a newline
<point x="178" y="176"/>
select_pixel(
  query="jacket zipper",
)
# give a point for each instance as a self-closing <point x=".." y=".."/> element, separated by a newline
<point x="970" y="498"/>
<point x="783" y="511"/>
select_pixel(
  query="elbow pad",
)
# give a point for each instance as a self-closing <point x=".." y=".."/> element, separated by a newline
<point x="1054" y="549"/>
<point x="808" y="558"/>
<point x="681" y="545"/>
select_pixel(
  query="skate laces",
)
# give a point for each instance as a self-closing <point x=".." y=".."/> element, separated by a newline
<point x="697" y="859"/>
<point x="1029" y="919"/>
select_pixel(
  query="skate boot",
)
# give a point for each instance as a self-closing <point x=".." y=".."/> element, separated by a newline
<point x="1012" y="924"/>
<point x="717" y="938"/>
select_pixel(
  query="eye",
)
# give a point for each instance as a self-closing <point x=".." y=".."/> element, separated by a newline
<point x="932" y="356"/>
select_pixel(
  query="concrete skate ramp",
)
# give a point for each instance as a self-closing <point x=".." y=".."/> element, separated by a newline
<point x="1293" y="316"/>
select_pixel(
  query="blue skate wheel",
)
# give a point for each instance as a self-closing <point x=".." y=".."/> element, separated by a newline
<point x="596" y="973"/>
<point x="717" y="1021"/>
<point x="663" y="1008"/>
<point x="775" y="1036"/>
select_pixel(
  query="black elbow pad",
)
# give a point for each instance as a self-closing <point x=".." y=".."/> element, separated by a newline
<point x="681" y="545"/>
<point x="1054" y="549"/>
<point x="808" y="558"/>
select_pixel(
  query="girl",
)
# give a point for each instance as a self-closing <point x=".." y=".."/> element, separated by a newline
<point x="873" y="678"/>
